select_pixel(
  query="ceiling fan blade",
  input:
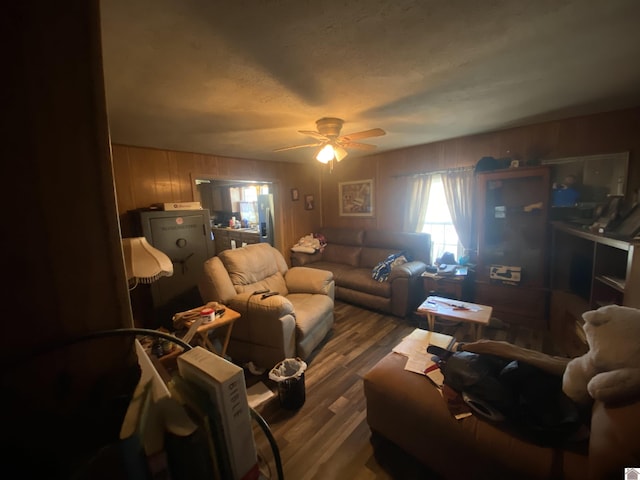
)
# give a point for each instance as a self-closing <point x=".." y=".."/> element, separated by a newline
<point x="313" y="134"/>
<point x="359" y="146"/>
<point x="374" y="132"/>
<point x="282" y="149"/>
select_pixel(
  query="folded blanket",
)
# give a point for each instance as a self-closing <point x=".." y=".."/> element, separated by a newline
<point x="303" y="249"/>
<point x="382" y="270"/>
<point x="307" y="244"/>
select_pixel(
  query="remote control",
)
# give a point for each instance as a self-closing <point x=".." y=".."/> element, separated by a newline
<point x="258" y="292"/>
<point x="270" y="294"/>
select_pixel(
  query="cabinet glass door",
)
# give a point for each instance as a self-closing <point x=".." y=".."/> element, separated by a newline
<point x="512" y="225"/>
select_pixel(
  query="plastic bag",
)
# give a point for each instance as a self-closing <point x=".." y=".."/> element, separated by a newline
<point x="287" y="369"/>
<point x="289" y="374"/>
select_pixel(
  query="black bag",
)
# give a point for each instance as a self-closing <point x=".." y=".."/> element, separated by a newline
<point x="523" y="397"/>
<point x="488" y="164"/>
<point x="477" y="376"/>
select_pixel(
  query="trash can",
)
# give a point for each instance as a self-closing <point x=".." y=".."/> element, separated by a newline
<point x="289" y="375"/>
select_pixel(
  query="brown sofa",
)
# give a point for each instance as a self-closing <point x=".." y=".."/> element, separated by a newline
<point x="407" y="409"/>
<point x="351" y="254"/>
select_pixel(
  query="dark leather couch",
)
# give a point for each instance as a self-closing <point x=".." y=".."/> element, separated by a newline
<point x="351" y="254"/>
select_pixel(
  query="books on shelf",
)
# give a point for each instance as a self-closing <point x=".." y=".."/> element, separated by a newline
<point x="224" y="384"/>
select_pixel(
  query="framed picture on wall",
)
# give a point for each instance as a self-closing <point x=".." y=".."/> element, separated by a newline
<point x="308" y="202"/>
<point x="295" y="196"/>
<point x="356" y="198"/>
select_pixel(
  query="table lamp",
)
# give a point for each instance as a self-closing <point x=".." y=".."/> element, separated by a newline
<point x="144" y="263"/>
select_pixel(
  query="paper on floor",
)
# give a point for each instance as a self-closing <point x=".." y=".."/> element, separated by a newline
<point x="258" y="394"/>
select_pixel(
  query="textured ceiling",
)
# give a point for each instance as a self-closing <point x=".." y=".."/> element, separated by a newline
<point x="240" y="78"/>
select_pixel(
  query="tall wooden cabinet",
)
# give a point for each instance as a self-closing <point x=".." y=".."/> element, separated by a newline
<point x="511" y="223"/>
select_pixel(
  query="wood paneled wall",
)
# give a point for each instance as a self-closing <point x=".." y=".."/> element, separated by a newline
<point x="63" y="250"/>
<point x="589" y="135"/>
<point x="145" y="176"/>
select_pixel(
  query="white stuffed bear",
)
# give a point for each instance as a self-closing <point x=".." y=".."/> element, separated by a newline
<point x="610" y="370"/>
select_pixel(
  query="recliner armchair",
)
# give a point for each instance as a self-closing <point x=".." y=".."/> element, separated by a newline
<point x="287" y="325"/>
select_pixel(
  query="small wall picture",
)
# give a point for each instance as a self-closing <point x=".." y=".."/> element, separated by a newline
<point x="356" y="198"/>
<point x="295" y="195"/>
<point x="308" y="202"/>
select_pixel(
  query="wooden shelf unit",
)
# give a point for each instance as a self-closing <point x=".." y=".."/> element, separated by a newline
<point x="589" y="270"/>
<point x="598" y="268"/>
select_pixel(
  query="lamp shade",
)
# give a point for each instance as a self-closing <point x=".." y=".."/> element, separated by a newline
<point x="144" y="263"/>
<point x="331" y="152"/>
<point x="325" y="154"/>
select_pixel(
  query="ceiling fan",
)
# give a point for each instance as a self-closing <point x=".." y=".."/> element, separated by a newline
<point x="334" y="146"/>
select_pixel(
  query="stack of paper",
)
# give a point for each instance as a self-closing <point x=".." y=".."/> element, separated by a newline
<point x="414" y="347"/>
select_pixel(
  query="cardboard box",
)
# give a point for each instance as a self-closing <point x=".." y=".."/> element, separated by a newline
<point x="505" y="273"/>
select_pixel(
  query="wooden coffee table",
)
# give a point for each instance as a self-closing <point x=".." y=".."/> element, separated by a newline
<point x="477" y="315"/>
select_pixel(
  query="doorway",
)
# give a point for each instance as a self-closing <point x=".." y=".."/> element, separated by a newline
<point x="245" y="205"/>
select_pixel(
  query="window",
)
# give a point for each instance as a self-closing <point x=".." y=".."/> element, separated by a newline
<point x="245" y="201"/>
<point x="438" y="222"/>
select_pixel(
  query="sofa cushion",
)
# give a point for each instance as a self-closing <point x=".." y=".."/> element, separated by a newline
<point x="255" y="267"/>
<point x="308" y="310"/>
<point x="360" y="279"/>
<point x="417" y="245"/>
<point x="338" y="269"/>
<point x="343" y="236"/>
<point x="344" y="254"/>
<point x="355" y="279"/>
<point x="314" y="319"/>
<point x="370" y="257"/>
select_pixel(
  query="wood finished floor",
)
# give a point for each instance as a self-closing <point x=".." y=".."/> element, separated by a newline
<point x="328" y="437"/>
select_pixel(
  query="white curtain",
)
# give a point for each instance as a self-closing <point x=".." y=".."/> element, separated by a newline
<point x="458" y="189"/>
<point x="417" y="199"/>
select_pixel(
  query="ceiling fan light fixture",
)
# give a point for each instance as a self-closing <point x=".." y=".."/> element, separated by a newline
<point x="340" y="153"/>
<point x="333" y="146"/>
<point x="326" y="154"/>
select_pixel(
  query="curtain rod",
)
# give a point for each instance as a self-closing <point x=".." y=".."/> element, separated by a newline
<point x="434" y="172"/>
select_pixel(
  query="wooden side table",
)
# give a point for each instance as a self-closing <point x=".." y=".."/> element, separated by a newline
<point x="227" y="319"/>
<point x="449" y="286"/>
<point x="452" y="286"/>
